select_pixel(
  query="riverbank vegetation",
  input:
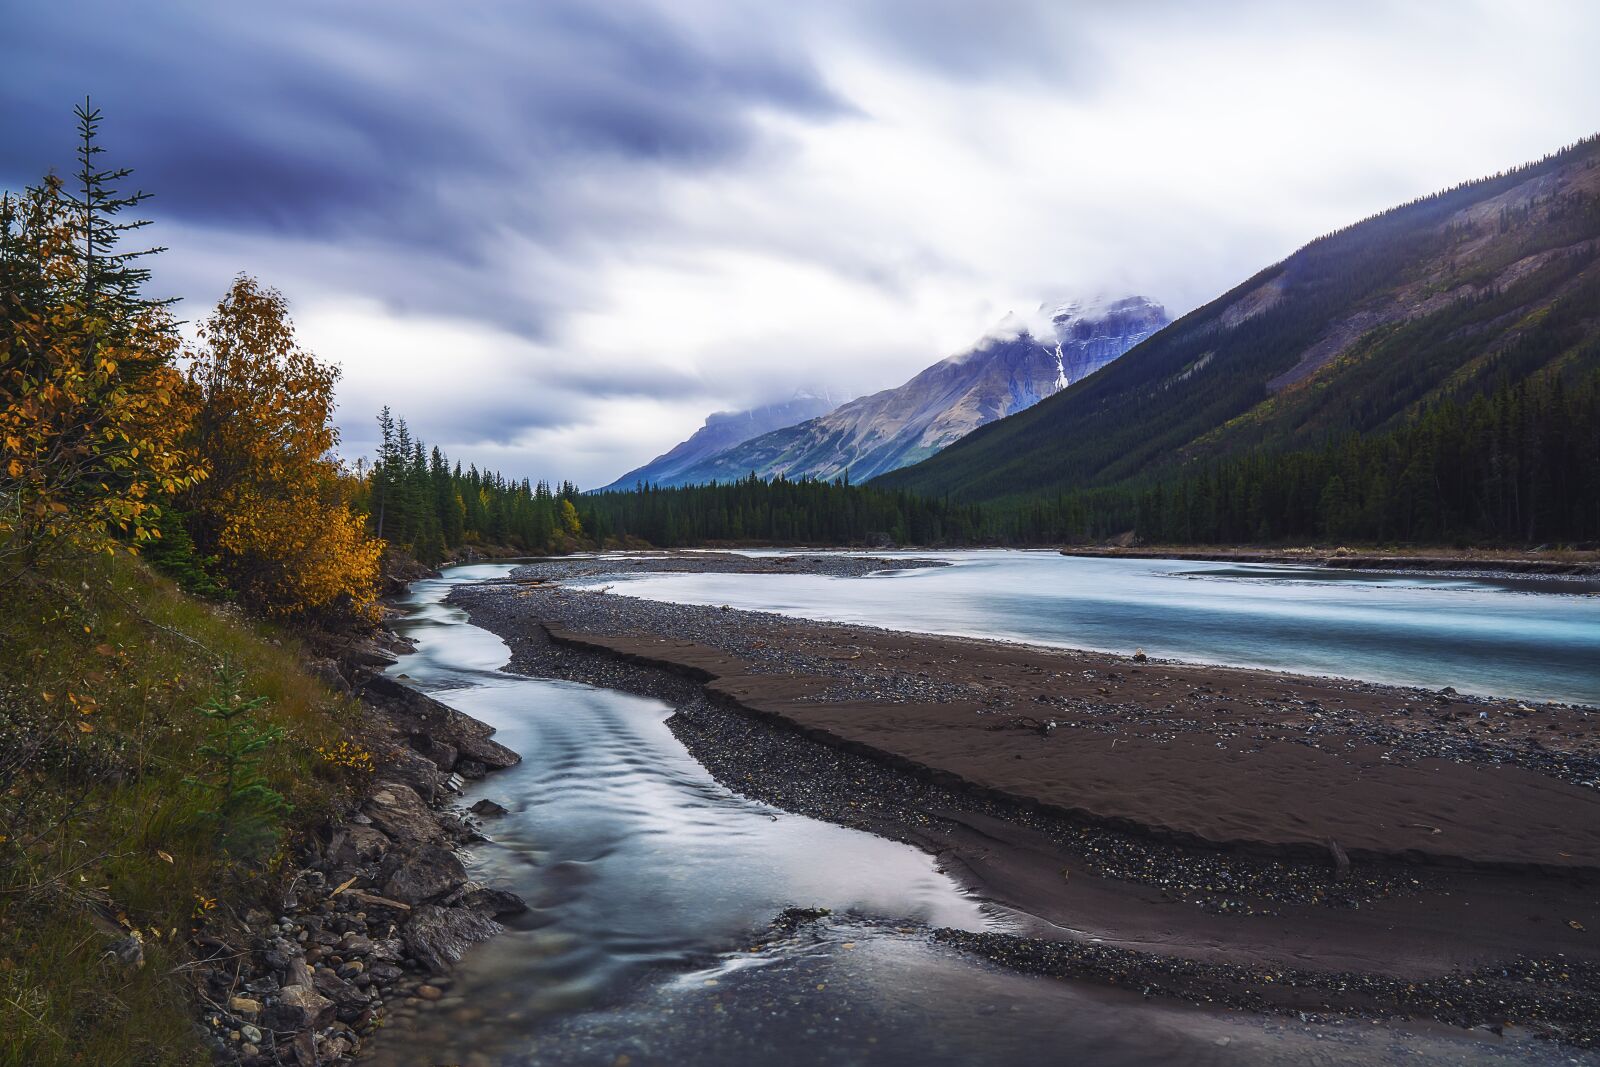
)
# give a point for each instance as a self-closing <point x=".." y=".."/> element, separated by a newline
<point x="159" y="753"/>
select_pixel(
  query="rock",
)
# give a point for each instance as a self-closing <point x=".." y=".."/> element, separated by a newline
<point x="245" y="1008"/>
<point x="127" y="950"/>
<point x="487" y="809"/>
<point x="365" y="653"/>
<point x="354" y="944"/>
<point x="385" y="972"/>
<point x="297" y="973"/>
<point x="419" y="714"/>
<point x="1341" y="862"/>
<point x="471" y="769"/>
<point x="415" y="770"/>
<point x="346" y="997"/>
<point x="357" y="844"/>
<point x="495" y="902"/>
<point x="425" y="874"/>
<point x="442" y="753"/>
<point x="251" y="1034"/>
<point x="437" y="936"/>
<point x="388" y="948"/>
<point x="279" y="952"/>
<point x="299" y="1008"/>
<point x="490" y="754"/>
<point x="400" y="813"/>
<point x="327" y="672"/>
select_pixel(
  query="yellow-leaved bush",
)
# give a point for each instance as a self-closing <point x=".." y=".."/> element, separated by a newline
<point x="272" y="509"/>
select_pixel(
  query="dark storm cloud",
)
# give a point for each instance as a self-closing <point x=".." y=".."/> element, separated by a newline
<point x="380" y="120"/>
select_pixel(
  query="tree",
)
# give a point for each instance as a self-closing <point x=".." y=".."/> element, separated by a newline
<point x="91" y="407"/>
<point x="271" y="510"/>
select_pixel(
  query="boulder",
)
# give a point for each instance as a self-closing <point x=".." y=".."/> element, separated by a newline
<point x="400" y="813"/>
<point x="413" y="769"/>
<point x="439" y="936"/>
<point x="442" y="754"/>
<point x="357" y="844"/>
<point x="425" y="874"/>
<point x="491" y="754"/>
<point x="496" y="902"/>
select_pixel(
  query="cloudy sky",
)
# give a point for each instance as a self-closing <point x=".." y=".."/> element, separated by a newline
<point x="554" y="235"/>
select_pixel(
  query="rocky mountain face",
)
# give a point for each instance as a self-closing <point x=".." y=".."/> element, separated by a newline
<point x="1091" y="334"/>
<point x="722" y="431"/>
<point x="1004" y="373"/>
<point x="1493" y="280"/>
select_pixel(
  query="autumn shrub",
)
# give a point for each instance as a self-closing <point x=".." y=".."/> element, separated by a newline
<point x="272" y="509"/>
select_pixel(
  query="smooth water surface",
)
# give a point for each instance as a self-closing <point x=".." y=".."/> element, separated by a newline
<point x="1536" y="639"/>
<point x="651" y="883"/>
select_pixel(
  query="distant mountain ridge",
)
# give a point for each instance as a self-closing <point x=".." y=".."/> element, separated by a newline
<point x="1004" y="373"/>
<point x="1494" y="280"/>
<point x="721" y="431"/>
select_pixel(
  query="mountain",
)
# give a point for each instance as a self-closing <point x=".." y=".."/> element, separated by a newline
<point x="722" y="430"/>
<point x="1004" y="373"/>
<point x="1441" y="299"/>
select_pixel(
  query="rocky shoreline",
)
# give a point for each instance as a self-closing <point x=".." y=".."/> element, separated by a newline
<point x="380" y="906"/>
<point x="1326" y="932"/>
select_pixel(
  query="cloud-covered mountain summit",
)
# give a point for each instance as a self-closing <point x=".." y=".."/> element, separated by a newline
<point x="1018" y="364"/>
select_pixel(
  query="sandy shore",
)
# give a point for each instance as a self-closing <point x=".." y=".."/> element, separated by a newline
<point x="1254" y="838"/>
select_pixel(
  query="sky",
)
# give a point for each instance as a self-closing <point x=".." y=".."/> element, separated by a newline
<point x="555" y="235"/>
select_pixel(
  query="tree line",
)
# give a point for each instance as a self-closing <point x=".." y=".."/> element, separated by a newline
<point x="420" y="503"/>
<point x="778" y="512"/>
<point x="1518" y="465"/>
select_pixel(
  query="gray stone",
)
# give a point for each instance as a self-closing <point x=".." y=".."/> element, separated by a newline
<point x="399" y="812"/>
<point x="437" y="936"/>
<point x="426" y="874"/>
<point x="299" y="1007"/>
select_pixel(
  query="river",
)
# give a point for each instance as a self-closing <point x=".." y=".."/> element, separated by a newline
<point x="651" y="885"/>
<point x="1530" y="638"/>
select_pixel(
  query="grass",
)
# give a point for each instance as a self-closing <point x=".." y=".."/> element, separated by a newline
<point x="103" y="829"/>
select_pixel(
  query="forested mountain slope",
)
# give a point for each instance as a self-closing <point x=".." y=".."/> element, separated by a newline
<point x="1445" y="298"/>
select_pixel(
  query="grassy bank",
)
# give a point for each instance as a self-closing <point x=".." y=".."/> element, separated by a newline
<point x="116" y="817"/>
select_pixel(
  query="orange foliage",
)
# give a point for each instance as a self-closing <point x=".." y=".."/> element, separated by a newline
<point x="272" y="509"/>
<point x="91" y="411"/>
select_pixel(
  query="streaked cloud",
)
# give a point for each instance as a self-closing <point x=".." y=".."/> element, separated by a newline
<point x="555" y="235"/>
